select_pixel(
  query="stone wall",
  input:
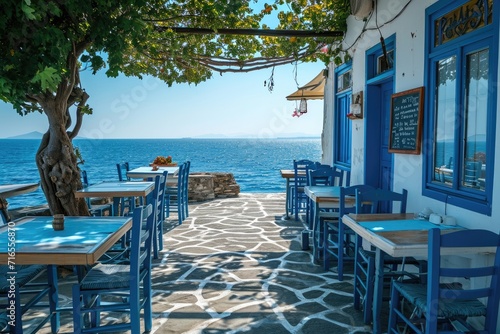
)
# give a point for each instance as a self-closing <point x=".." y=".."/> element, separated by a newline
<point x="207" y="186"/>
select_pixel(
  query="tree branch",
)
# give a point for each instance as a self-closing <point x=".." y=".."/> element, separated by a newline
<point x="83" y="97"/>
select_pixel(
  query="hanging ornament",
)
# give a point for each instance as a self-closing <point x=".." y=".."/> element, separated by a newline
<point x="303" y="106"/>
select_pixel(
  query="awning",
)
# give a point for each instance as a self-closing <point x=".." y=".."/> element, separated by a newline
<point x="313" y="90"/>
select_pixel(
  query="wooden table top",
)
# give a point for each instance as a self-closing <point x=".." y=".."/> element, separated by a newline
<point x="82" y="242"/>
<point x="117" y="189"/>
<point x="399" y="235"/>
<point x="147" y="172"/>
<point x="290" y="173"/>
<point x="323" y="194"/>
<point x="11" y="190"/>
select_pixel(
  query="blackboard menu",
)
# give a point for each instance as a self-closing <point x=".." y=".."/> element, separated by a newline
<point x="406" y="121"/>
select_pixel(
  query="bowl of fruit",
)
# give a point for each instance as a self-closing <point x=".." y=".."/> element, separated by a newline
<point x="162" y="161"/>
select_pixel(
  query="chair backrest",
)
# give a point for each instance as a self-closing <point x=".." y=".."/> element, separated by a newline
<point x="159" y="197"/>
<point x="185" y="181"/>
<point x="323" y="176"/>
<point x="348" y="195"/>
<point x="437" y="273"/>
<point x="300" y="169"/>
<point x="85" y="183"/>
<point x="84" y="178"/>
<point x="345" y="179"/>
<point x="123" y="168"/>
<point x="141" y="241"/>
<point x="375" y="201"/>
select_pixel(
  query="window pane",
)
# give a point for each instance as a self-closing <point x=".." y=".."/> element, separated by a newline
<point x="445" y="120"/>
<point x="476" y="103"/>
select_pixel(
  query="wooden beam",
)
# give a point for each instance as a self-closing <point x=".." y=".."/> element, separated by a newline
<point x="254" y="32"/>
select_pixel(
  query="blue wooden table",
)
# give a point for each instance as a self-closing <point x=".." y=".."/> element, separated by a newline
<point x="324" y="197"/>
<point x="11" y="190"/>
<point x="148" y="172"/>
<point x="117" y="190"/>
<point x="397" y="235"/>
<point x="82" y="242"/>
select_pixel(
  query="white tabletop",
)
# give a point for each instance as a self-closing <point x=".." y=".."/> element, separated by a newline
<point x="148" y="172"/>
<point x="117" y="189"/>
<point x="11" y="190"/>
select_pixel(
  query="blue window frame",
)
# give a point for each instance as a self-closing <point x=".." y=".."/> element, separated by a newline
<point x="459" y="131"/>
<point x="342" y="124"/>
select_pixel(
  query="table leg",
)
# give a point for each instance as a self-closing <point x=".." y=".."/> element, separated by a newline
<point x="317" y="242"/>
<point x="287" y="200"/>
<point x="53" y="298"/>
<point x="378" y="291"/>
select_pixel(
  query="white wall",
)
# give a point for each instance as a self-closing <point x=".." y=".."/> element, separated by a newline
<point x="409" y="29"/>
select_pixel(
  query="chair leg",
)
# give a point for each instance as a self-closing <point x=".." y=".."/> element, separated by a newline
<point x="394" y="305"/>
<point x="357" y="263"/>
<point x="368" y="300"/>
<point x="135" y="311"/>
<point x="148" y="304"/>
<point x="326" y="253"/>
<point x="77" y="307"/>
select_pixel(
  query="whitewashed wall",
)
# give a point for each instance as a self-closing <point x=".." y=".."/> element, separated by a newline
<point x="409" y="29"/>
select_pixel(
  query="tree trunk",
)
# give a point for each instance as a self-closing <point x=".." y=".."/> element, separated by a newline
<point x="57" y="165"/>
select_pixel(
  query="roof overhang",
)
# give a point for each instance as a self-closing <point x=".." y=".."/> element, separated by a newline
<point x="313" y="90"/>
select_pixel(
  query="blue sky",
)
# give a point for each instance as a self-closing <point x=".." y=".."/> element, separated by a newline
<point x="228" y="105"/>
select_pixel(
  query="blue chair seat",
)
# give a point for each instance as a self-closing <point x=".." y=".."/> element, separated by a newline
<point x="416" y="294"/>
<point x="27" y="294"/>
<point x="107" y="276"/>
<point x="24" y="274"/>
<point x="446" y="307"/>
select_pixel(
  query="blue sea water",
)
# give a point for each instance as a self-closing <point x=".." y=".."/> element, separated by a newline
<point x="255" y="163"/>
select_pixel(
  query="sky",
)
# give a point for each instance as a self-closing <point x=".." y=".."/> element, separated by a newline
<point x="231" y="105"/>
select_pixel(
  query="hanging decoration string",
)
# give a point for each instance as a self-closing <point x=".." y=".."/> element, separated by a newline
<point x="270" y="82"/>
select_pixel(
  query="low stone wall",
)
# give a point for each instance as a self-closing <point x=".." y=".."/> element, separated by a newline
<point x="207" y="186"/>
<point x="202" y="187"/>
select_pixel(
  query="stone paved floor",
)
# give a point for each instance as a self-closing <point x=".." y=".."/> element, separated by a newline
<point x="235" y="266"/>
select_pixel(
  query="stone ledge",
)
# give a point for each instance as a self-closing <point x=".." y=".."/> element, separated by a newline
<point x="207" y="186"/>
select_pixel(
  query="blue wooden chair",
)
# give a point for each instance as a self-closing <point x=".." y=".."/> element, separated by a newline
<point x="125" y="202"/>
<point x="345" y="179"/>
<point x="300" y="200"/>
<point x="122" y="169"/>
<point x="339" y="240"/>
<point x="24" y="295"/>
<point x="159" y="212"/>
<point x="444" y="308"/>
<point x="185" y="189"/>
<point x="95" y="209"/>
<point x="317" y="214"/>
<point x="128" y="285"/>
<point x="175" y="195"/>
<point x="375" y="201"/>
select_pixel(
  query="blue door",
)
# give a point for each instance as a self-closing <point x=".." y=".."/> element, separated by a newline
<point x="385" y="181"/>
<point x="378" y="160"/>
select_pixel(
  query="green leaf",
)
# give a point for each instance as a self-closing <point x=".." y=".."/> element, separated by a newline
<point x="28" y="10"/>
<point x="48" y="79"/>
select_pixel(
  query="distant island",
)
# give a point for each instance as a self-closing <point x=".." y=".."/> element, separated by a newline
<point x="29" y="135"/>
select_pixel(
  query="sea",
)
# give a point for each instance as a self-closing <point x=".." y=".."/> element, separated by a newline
<point x="255" y="163"/>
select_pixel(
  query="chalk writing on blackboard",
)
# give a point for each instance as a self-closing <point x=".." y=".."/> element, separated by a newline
<point x="406" y="121"/>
